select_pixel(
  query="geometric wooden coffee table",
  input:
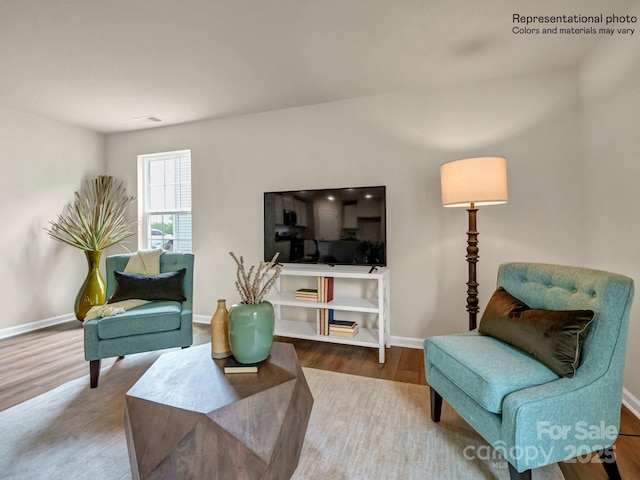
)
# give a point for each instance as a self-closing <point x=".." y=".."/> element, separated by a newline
<point x="186" y="418"/>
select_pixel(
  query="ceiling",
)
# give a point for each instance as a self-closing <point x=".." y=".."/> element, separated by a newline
<point x="99" y="64"/>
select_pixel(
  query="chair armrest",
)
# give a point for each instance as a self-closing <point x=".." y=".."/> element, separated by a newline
<point x="186" y="324"/>
<point x="560" y="420"/>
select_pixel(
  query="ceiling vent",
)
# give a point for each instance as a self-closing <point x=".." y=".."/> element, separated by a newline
<point x="148" y="119"/>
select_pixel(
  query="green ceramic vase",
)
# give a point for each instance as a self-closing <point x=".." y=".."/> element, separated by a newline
<point x="93" y="289"/>
<point x="251" y="331"/>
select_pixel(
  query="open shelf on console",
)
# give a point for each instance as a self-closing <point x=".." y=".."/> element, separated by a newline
<point x="376" y="303"/>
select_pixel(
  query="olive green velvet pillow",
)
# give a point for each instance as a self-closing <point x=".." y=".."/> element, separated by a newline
<point x="554" y="337"/>
<point x="164" y="286"/>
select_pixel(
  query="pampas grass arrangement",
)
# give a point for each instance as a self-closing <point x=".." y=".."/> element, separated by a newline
<point x="254" y="284"/>
<point x="95" y="219"/>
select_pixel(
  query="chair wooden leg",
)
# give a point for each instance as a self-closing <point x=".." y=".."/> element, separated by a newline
<point x="515" y="475"/>
<point x="608" y="459"/>
<point x="436" y="404"/>
<point x="94" y="372"/>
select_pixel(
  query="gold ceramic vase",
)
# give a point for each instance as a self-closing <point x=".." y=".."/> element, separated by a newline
<point x="220" y="332"/>
<point x="93" y="289"/>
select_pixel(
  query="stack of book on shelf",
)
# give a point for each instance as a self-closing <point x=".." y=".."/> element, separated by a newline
<point x="343" y="328"/>
<point x="307" y="294"/>
<point x="325" y="295"/>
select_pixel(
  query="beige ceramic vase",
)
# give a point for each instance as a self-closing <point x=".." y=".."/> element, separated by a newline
<point x="220" y="332"/>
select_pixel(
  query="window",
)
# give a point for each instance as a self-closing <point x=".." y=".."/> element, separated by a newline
<point x="164" y="200"/>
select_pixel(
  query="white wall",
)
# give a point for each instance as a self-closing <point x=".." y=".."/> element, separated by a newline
<point x="611" y="118"/>
<point x="398" y="140"/>
<point x="43" y="164"/>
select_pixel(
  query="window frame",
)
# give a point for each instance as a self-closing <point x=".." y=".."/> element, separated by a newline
<point x="144" y="213"/>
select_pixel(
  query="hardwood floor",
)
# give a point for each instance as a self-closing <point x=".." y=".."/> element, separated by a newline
<point x="35" y="362"/>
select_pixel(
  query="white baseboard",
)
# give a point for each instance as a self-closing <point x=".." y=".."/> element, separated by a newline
<point x="30" y="327"/>
<point x="408" y="342"/>
<point x="201" y="319"/>
<point x="631" y="402"/>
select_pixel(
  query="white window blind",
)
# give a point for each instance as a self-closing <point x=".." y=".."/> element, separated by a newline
<point x="164" y="201"/>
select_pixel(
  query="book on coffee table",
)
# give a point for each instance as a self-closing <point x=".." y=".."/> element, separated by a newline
<point x="233" y="366"/>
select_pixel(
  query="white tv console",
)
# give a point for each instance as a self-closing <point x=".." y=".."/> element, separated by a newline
<point x="378" y="337"/>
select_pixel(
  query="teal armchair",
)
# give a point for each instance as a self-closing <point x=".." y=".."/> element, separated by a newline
<point x="153" y="326"/>
<point x="529" y="414"/>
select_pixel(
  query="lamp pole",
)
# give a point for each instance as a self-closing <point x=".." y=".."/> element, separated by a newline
<point x="472" y="259"/>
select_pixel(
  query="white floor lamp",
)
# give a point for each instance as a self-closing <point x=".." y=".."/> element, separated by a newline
<point x="471" y="183"/>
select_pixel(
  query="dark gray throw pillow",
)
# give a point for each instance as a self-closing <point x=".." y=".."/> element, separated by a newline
<point x="164" y="286"/>
<point x="554" y="337"/>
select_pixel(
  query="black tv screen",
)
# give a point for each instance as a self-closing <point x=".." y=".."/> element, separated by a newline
<point x="335" y="226"/>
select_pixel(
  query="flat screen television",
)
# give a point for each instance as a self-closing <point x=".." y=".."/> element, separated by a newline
<point x="334" y="226"/>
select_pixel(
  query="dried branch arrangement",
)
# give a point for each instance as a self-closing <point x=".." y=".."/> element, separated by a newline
<point x="95" y="220"/>
<point x="254" y="284"/>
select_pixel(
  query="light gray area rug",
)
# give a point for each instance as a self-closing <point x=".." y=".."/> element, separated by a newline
<point x="360" y="428"/>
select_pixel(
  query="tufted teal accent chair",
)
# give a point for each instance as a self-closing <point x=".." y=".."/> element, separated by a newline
<point x="526" y="412"/>
<point x="152" y="326"/>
